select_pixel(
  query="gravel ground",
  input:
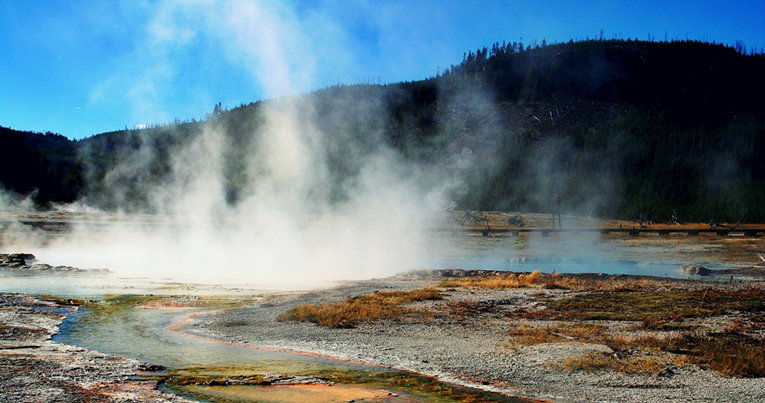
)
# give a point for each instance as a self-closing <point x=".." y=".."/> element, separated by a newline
<point x="35" y="369"/>
<point x="471" y="352"/>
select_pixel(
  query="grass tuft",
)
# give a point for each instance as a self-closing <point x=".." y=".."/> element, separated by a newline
<point x="555" y="333"/>
<point x="365" y="308"/>
<point x="502" y="281"/>
<point x="594" y="362"/>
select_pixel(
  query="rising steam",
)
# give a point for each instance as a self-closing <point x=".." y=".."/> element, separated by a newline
<point x="287" y="227"/>
<point x="296" y="200"/>
<point x="285" y="230"/>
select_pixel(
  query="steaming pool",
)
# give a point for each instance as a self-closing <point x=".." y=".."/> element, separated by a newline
<point x="122" y="329"/>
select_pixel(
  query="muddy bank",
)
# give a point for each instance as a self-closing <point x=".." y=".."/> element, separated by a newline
<point x="33" y="368"/>
<point x="475" y="348"/>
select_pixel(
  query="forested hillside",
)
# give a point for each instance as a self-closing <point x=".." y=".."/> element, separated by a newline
<point x="614" y="128"/>
<point x="44" y="166"/>
<point x="652" y="127"/>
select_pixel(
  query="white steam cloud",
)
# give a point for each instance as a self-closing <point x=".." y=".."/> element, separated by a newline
<point x="283" y="232"/>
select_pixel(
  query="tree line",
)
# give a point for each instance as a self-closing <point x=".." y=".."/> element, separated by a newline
<point x="613" y="128"/>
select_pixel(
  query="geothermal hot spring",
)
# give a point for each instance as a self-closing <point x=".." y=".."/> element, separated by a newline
<point x="229" y="259"/>
<point x="287" y="230"/>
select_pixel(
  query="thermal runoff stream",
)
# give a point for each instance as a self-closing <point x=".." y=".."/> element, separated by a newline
<point x="115" y="325"/>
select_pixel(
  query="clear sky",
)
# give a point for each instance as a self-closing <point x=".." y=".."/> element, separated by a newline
<point x="83" y="67"/>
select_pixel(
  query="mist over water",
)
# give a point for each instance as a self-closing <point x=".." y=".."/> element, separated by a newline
<point x="283" y="224"/>
<point x="294" y="203"/>
<point x="285" y="229"/>
<point x="309" y="190"/>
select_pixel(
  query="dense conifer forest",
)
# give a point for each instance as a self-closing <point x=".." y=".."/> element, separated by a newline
<point x="610" y="128"/>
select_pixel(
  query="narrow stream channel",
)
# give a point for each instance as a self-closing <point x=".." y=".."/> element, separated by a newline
<point x="124" y="330"/>
<point x="141" y="334"/>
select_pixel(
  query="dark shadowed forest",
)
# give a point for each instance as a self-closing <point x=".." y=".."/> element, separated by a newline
<point x="609" y="128"/>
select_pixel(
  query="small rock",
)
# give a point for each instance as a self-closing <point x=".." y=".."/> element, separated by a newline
<point x="151" y="367"/>
<point x="695" y="270"/>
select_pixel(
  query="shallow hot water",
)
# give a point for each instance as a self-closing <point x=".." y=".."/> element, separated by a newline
<point x="568" y="253"/>
<point x="141" y="334"/>
<point x="124" y="330"/>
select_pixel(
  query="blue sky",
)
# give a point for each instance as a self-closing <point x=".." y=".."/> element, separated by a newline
<point x="85" y="67"/>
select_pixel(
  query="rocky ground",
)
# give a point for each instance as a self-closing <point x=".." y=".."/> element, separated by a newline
<point x="25" y="264"/>
<point x="33" y="368"/>
<point x="476" y="349"/>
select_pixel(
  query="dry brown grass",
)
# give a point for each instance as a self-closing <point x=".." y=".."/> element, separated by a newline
<point x="624" y="343"/>
<point x="728" y="354"/>
<point x="554" y="333"/>
<point x="498" y="282"/>
<point x="666" y="305"/>
<point x="661" y="324"/>
<point x="365" y="308"/>
<point x="527" y="335"/>
<point x="464" y="310"/>
<point x="585" y="332"/>
<point x="651" y="304"/>
<point x="645" y="365"/>
<point x="748" y="325"/>
<point x="738" y="350"/>
<point x="582" y="283"/>
<point x="494" y="280"/>
<point x="725" y="353"/>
